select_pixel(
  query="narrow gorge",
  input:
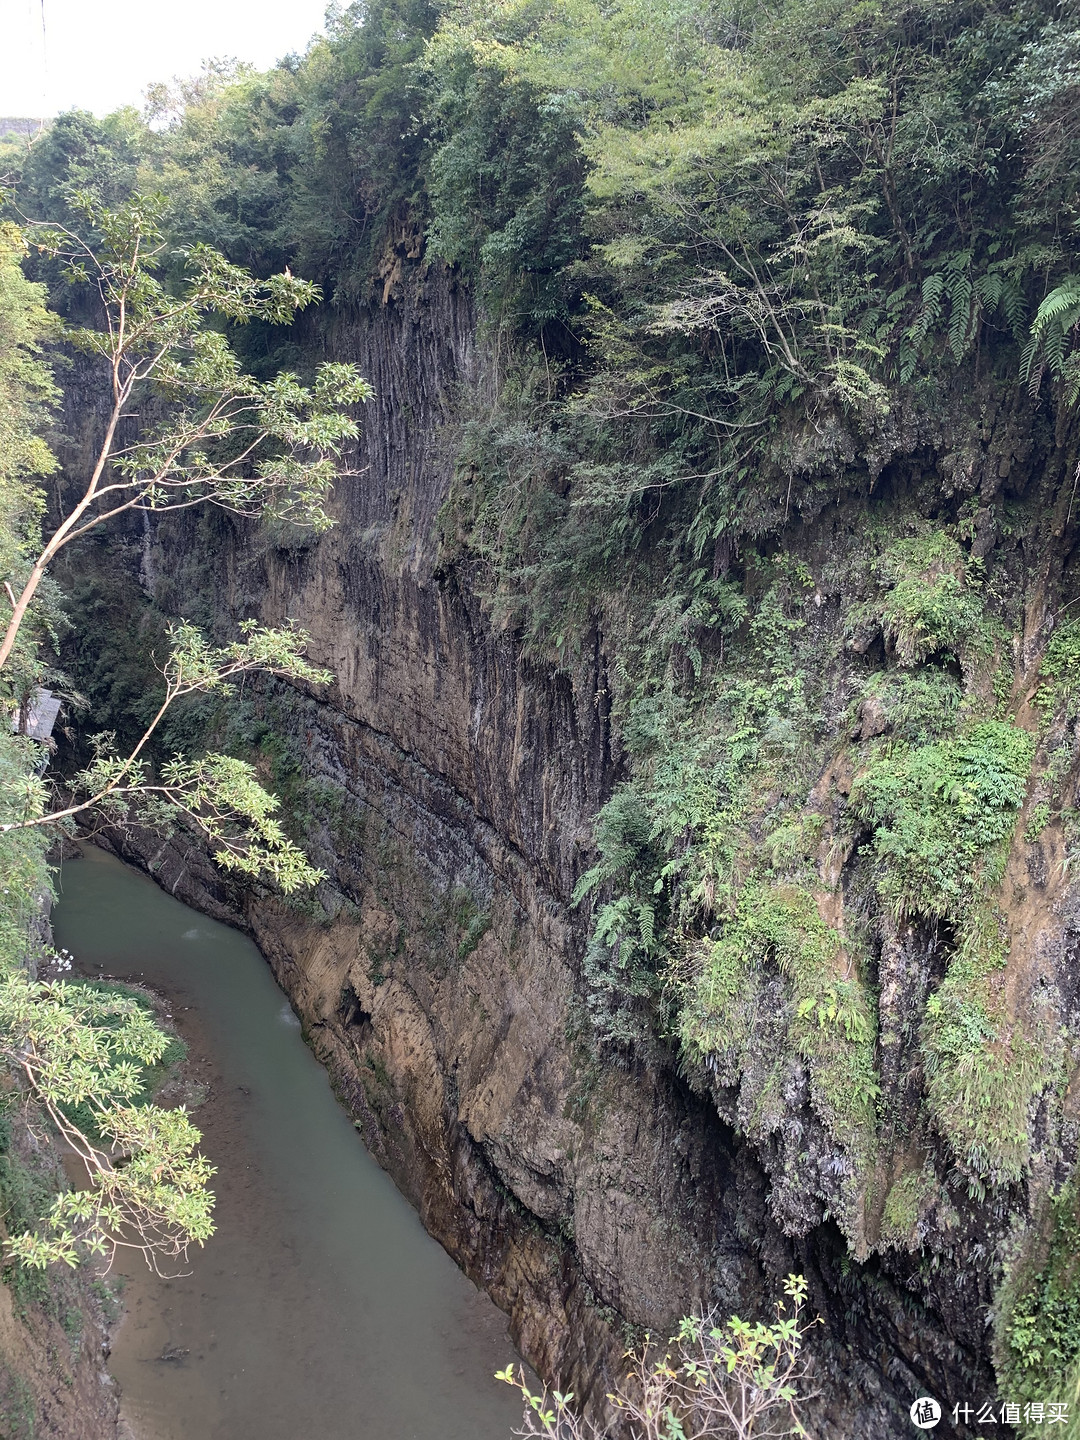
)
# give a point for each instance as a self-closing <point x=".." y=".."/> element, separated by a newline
<point x="459" y="779"/>
<point x="688" y="740"/>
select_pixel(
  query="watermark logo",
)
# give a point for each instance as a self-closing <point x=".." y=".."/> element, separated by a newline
<point x="925" y="1413"/>
<point x="1009" y="1412"/>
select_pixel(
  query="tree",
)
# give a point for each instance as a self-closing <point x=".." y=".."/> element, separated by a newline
<point x="77" y="1048"/>
<point x="733" y="1380"/>
<point x="184" y="426"/>
<point x="253" y="447"/>
<point x="257" y="448"/>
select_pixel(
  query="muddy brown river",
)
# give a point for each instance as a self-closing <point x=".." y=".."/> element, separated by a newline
<point x="321" y="1309"/>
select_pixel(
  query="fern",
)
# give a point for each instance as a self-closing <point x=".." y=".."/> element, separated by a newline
<point x="996" y="291"/>
<point x="952" y="282"/>
<point x="1053" y="334"/>
<point x="932" y="292"/>
<point x="968" y="300"/>
<point x="647" y="925"/>
<point x="961" y="315"/>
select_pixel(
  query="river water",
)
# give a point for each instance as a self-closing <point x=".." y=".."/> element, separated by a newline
<point x="321" y="1309"/>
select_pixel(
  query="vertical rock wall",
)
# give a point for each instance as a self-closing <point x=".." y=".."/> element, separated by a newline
<point x="593" y="1195"/>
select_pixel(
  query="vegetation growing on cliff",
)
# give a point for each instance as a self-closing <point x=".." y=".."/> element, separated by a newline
<point x="1040" y="1347"/>
<point x="781" y="308"/>
<point x="805" y="228"/>
<point x="720" y="1380"/>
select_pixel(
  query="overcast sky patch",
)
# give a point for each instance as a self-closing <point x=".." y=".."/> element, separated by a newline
<point x="101" y="54"/>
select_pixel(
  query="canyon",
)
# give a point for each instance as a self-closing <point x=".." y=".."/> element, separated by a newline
<point x="595" y="1195"/>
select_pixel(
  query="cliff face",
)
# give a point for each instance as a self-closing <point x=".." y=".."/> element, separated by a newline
<point x="54" y="1326"/>
<point x="53" y="1381"/>
<point x="441" y="981"/>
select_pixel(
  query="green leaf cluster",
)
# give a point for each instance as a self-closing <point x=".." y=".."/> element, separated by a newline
<point x="831" y="1021"/>
<point x="1039" y="1329"/>
<point x="983" y="1072"/>
<point x="1059" y="670"/>
<point x="929" y="599"/>
<point x="940" y="814"/>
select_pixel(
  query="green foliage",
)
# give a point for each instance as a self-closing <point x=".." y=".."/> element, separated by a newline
<point x="250" y="446"/>
<point x="743" y="235"/>
<point x="76" y="153"/>
<point x="920" y="705"/>
<point x="217" y="795"/>
<point x="26" y="883"/>
<point x="152" y="1074"/>
<point x="831" y="1021"/>
<point x="27" y="390"/>
<point x="719" y="1380"/>
<point x="28" y="396"/>
<point x="1060" y="670"/>
<point x="1053" y="340"/>
<point x="905" y="1204"/>
<point x="357" y="131"/>
<point x="282" y="440"/>
<point x="219" y="148"/>
<point x="802" y="218"/>
<point x="18" y="1411"/>
<point x="471" y="919"/>
<point x="983" y="1070"/>
<point x="1039" y="1355"/>
<point x="941" y="814"/>
<point x="711" y="833"/>
<point x="79" y="1046"/>
<point x="628" y="944"/>
<point x="1037" y="821"/>
<point x="547" y="557"/>
<point x="309" y="164"/>
<point x="24" y="1194"/>
<point x="928" y="600"/>
<point x="506" y="178"/>
<point x="115" y="640"/>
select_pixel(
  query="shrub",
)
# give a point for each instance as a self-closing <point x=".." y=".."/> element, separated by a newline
<point x="722" y="1380"/>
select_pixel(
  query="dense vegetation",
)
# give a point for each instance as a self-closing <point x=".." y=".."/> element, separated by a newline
<point x="781" y="302"/>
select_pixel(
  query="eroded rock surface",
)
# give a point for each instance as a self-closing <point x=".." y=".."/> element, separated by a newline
<point x="593" y="1194"/>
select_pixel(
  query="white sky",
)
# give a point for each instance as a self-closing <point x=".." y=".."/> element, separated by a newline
<point x="100" y="54"/>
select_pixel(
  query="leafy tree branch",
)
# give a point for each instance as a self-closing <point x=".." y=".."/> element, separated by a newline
<point x="253" y="447"/>
<point x="719" y="1380"/>
<point x="146" y="1184"/>
<point x="219" y="793"/>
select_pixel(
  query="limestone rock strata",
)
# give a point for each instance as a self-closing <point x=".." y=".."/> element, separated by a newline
<point x="592" y="1195"/>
